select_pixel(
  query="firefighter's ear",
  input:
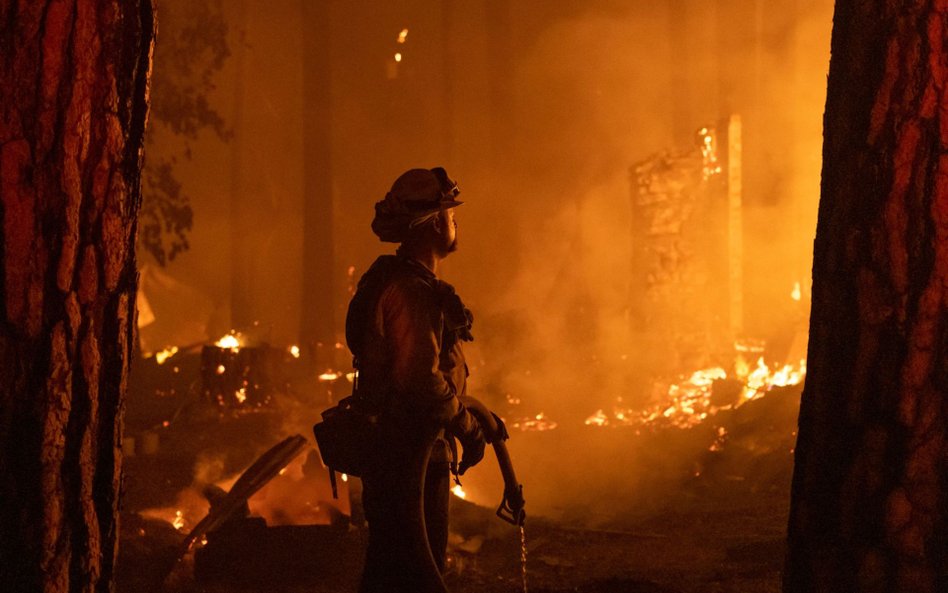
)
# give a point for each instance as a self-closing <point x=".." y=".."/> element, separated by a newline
<point x="441" y="223"/>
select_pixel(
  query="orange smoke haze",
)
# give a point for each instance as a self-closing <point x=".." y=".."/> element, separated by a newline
<point x="538" y="109"/>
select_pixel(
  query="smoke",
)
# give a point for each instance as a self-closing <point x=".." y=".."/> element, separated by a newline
<point x="543" y="157"/>
<point x="594" y="94"/>
<point x="570" y="301"/>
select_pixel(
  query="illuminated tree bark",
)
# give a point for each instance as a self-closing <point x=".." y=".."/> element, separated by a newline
<point x="73" y="104"/>
<point x="869" y="508"/>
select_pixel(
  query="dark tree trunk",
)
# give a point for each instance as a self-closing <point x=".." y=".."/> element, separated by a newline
<point x="870" y="489"/>
<point x="317" y="318"/>
<point x="73" y="104"/>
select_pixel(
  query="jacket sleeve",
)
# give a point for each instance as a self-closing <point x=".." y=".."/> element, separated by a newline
<point x="413" y="323"/>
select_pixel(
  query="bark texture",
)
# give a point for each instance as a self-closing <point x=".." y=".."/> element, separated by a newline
<point x="869" y="510"/>
<point x="73" y="105"/>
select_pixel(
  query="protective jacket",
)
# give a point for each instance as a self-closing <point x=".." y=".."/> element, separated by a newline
<point x="405" y="328"/>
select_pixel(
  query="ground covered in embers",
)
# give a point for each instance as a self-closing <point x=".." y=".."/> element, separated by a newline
<point x="700" y="510"/>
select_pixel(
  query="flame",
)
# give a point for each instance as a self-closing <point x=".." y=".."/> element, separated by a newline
<point x="763" y="379"/>
<point x="229" y="342"/>
<point x="741" y="367"/>
<point x="165" y="354"/>
<point x="797" y="293"/>
<point x="294" y="351"/>
<point x="756" y="380"/>
<point x="597" y="419"/>
<point x="459" y="492"/>
<point x="345" y="477"/>
<point x="688" y="403"/>
<point x="789" y="375"/>
<point x="351" y="377"/>
<point x="178" y="521"/>
<point x="329" y="376"/>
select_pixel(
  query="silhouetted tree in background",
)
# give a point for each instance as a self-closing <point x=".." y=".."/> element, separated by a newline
<point x="192" y="50"/>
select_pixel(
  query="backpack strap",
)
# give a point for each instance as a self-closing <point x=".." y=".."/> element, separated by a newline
<point x="332" y="482"/>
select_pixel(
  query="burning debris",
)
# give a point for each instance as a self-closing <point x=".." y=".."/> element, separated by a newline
<point x="230" y="342"/>
<point x="329" y="375"/>
<point x="234" y="374"/>
<point x="708" y="142"/>
<point x="537" y="423"/>
<point x="164" y="355"/>
<point x="246" y="534"/>
<point x="693" y="400"/>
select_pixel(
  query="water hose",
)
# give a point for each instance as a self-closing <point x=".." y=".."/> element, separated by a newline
<point x="511" y="507"/>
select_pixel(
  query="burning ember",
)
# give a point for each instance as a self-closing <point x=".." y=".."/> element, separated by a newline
<point x="459" y="492"/>
<point x="294" y="351"/>
<point x="329" y="376"/>
<point x="402" y="36"/>
<point x="229" y="342"/>
<point x="597" y="419"/>
<point x="709" y="152"/>
<point x="178" y="521"/>
<point x="720" y="439"/>
<point x="161" y="357"/>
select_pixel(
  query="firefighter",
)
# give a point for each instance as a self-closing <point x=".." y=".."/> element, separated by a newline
<point x="405" y="328"/>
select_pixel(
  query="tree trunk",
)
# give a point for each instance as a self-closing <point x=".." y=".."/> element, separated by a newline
<point x="318" y="315"/>
<point x="73" y="104"/>
<point x="870" y="489"/>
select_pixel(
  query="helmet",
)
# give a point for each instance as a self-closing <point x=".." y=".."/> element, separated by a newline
<point x="416" y="196"/>
<point x="424" y="190"/>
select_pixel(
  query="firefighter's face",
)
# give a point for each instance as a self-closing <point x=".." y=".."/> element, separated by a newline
<point x="448" y="232"/>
